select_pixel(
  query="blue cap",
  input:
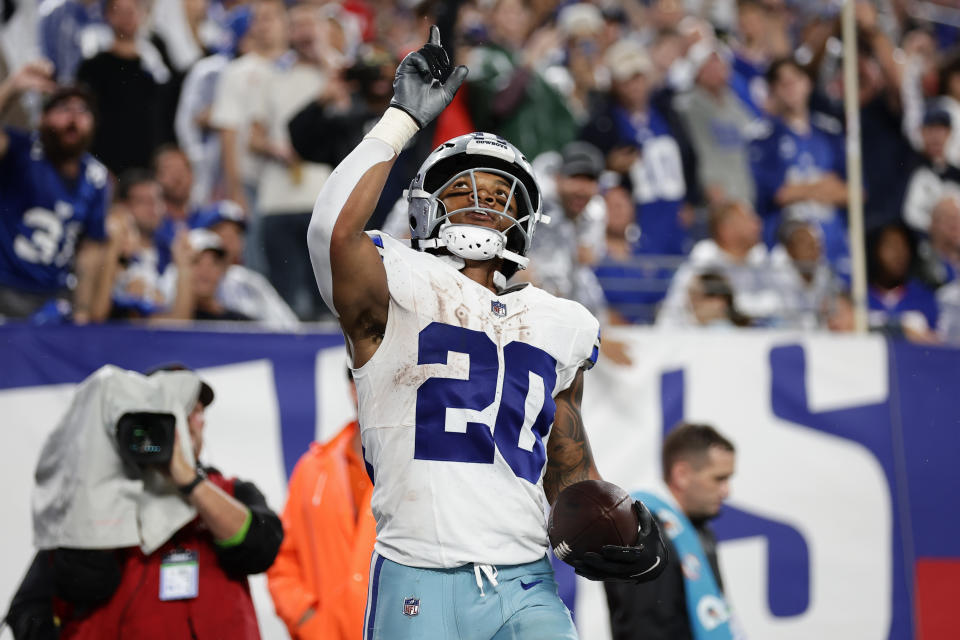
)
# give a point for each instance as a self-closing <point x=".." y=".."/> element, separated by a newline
<point x="937" y="115"/>
<point x="220" y="211"/>
<point x="238" y="22"/>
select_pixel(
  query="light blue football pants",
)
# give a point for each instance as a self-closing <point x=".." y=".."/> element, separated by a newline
<point x="472" y="602"/>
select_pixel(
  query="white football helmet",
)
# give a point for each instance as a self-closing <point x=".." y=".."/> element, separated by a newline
<point x="430" y="227"/>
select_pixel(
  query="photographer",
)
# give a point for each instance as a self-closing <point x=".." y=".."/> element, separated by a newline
<point x="135" y="549"/>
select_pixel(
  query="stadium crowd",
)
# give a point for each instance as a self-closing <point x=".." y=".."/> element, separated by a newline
<point x="692" y="153"/>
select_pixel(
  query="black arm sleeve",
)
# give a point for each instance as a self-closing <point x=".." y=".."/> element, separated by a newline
<point x="259" y="548"/>
<point x="655" y="610"/>
<point x="31" y="612"/>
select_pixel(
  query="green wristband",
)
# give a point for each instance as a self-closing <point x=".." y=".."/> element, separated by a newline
<point x="239" y="536"/>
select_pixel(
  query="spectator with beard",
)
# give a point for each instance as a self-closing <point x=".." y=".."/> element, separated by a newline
<point x="53" y="195"/>
<point x="129" y="81"/>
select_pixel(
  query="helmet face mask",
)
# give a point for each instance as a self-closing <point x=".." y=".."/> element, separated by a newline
<point x="466" y="156"/>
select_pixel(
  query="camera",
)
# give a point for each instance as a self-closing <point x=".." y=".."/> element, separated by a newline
<point x="146" y="438"/>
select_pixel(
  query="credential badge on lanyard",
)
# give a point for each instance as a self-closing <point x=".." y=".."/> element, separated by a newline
<point x="179" y="575"/>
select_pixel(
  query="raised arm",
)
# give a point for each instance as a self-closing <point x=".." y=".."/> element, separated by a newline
<point x="346" y="264"/>
<point x="36" y="75"/>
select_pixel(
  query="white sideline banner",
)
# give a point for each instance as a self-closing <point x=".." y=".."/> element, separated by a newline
<point x="818" y="492"/>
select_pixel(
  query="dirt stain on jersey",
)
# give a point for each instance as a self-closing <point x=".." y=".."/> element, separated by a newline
<point x="407" y="375"/>
<point x="523" y="332"/>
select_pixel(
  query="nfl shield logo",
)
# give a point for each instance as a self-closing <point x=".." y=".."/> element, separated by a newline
<point x="411" y="606"/>
<point x="498" y="308"/>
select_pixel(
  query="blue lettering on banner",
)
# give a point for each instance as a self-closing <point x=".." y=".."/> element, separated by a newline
<point x="788" y="559"/>
<point x="868" y="425"/>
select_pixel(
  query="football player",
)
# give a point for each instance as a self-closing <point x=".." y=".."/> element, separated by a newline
<point x="469" y="391"/>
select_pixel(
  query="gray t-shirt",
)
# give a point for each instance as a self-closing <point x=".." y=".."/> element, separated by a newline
<point x="719" y="132"/>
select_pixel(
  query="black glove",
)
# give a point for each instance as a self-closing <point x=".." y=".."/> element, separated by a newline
<point x="426" y="81"/>
<point x="640" y="563"/>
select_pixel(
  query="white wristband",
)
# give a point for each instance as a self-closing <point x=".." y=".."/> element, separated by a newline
<point x="396" y="127"/>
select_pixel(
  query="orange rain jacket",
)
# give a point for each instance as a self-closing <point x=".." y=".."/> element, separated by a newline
<point x="324" y="561"/>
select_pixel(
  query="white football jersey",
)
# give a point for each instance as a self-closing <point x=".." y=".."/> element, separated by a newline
<point x="456" y="406"/>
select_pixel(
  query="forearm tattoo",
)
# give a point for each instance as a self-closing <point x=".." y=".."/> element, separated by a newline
<point x="569" y="458"/>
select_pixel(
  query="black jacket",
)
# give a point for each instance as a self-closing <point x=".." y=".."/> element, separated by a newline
<point x="657" y="610"/>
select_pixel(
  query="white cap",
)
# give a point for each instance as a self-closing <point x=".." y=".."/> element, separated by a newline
<point x="701" y="51"/>
<point x="580" y="19"/>
<point x="205" y="240"/>
<point x="627" y="58"/>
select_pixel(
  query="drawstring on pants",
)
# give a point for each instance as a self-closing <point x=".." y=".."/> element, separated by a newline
<point x="487" y="570"/>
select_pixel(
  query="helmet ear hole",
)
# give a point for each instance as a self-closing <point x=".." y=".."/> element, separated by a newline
<point x="413" y="222"/>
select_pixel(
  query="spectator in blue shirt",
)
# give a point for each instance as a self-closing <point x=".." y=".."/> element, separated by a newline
<point x="53" y="198"/>
<point x="897" y="302"/>
<point x="174" y="174"/>
<point x="799" y="166"/>
<point x="65" y="27"/>
<point x="131" y="278"/>
<point x="761" y="37"/>
<point x="642" y="136"/>
<point x="632" y="285"/>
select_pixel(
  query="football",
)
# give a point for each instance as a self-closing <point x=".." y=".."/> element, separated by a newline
<point x="588" y="515"/>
